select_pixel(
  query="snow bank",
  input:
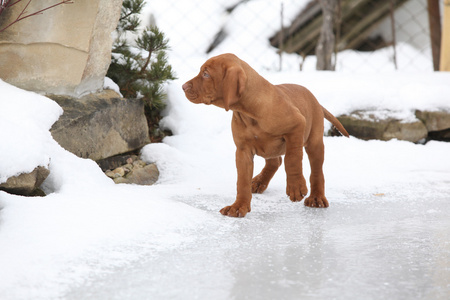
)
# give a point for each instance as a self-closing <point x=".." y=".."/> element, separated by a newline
<point x="25" y="120"/>
<point x="86" y="224"/>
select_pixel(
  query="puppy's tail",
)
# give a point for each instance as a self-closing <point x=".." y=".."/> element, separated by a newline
<point x="335" y="122"/>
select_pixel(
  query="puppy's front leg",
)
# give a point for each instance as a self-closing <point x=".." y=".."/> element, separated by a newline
<point x="244" y="165"/>
<point x="296" y="184"/>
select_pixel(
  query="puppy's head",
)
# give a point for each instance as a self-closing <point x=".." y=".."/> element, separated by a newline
<point x="221" y="82"/>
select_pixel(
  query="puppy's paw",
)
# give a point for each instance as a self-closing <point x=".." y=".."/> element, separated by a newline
<point x="235" y="211"/>
<point x="258" y="185"/>
<point x="316" y="201"/>
<point x="296" y="190"/>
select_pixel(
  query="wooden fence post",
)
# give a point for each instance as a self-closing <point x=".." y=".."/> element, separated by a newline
<point x="325" y="46"/>
<point x="445" y="44"/>
<point x="434" y="20"/>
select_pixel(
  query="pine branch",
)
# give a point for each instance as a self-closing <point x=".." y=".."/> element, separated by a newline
<point x="144" y="68"/>
<point x="141" y="70"/>
<point x="22" y="15"/>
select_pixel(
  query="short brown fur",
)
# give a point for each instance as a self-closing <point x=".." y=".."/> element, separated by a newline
<point x="269" y="121"/>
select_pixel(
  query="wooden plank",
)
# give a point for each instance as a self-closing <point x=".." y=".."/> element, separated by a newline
<point x="303" y="34"/>
<point x="304" y="37"/>
<point x="311" y="11"/>
<point x="359" y="19"/>
<point x="360" y="31"/>
<point x="308" y="14"/>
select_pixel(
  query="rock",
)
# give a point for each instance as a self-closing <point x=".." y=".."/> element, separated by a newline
<point x="116" y="173"/>
<point x="119" y="172"/>
<point x="437" y="123"/>
<point x="26" y="184"/>
<point x="146" y="175"/>
<point x="442" y="135"/>
<point x="66" y="50"/>
<point x="139" y="163"/>
<point x="113" y="162"/>
<point x="134" y="171"/>
<point x="434" y="120"/>
<point x="367" y="126"/>
<point x="415" y="132"/>
<point x="127" y="168"/>
<point x="100" y="125"/>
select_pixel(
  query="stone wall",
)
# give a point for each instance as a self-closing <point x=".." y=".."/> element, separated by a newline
<point x="66" y="50"/>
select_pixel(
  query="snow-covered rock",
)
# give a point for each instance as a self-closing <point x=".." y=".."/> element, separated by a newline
<point x="435" y="120"/>
<point x="26" y="184"/>
<point x="376" y="125"/>
<point x="100" y="125"/>
<point x="384" y="125"/>
<point x="25" y="121"/>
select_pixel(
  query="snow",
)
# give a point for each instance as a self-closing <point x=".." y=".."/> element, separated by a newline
<point x="109" y="84"/>
<point x="385" y="234"/>
<point x="28" y="116"/>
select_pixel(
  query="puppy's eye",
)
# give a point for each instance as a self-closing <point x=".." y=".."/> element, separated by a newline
<point x="206" y="75"/>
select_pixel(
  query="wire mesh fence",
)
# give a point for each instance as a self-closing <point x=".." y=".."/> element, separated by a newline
<point x="371" y="35"/>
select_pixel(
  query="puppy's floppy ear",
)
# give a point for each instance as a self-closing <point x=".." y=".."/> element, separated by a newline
<point x="234" y="83"/>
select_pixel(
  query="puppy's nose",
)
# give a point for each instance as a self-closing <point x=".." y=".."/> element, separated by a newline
<point x="186" y="86"/>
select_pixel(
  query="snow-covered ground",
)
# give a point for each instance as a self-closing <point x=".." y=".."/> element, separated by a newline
<point x="384" y="236"/>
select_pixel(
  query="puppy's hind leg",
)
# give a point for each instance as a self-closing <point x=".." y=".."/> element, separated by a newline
<point x="315" y="151"/>
<point x="261" y="181"/>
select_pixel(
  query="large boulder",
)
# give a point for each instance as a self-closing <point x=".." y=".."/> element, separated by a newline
<point x="100" y="125"/>
<point x="368" y="126"/>
<point x="437" y="123"/>
<point x="26" y="184"/>
<point x="66" y="50"/>
<point x="434" y="120"/>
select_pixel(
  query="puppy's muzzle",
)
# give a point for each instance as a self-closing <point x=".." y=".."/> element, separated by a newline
<point x="187" y="86"/>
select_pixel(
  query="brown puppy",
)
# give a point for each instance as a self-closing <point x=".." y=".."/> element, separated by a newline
<point x="269" y="121"/>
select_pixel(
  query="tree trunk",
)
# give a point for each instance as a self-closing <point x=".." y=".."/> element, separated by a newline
<point x="326" y="44"/>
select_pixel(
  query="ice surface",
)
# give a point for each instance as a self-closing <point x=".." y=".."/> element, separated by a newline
<point x="370" y="247"/>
